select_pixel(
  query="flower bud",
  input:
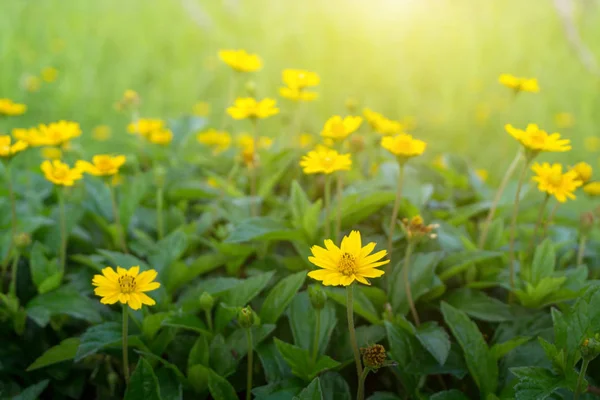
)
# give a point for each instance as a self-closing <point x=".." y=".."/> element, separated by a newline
<point x="251" y="88"/>
<point x="207" y="302"/>
<point x="317" y="296"/>
<point x="22" y="240"/>
<point x="246" y="317"/>
<point x="351" y="105"/>
<point x="373" y="356"/>
<point x="590" y="348"/>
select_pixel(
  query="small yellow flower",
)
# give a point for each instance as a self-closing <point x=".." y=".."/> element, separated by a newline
<point x="536" y="140"/>
<point x="10" y="108"/>
<point x="305" y="140"/>
<point x="51" y="153"/>
<point x="8" y="148"/>
<point x="54" y="134"/>
<point x="325" y="161"/>
<point x="246" y="140"/>
<point x="351" y="105"/>
<point x="130" y="99"/>
<point x="60" y="173"/>
<point x="299" y="78"/>
<point x="403" y="145"/>
<point x="49" y="74"/>
<point x="347" y="263"/>
<point x="519" y="84"/>
<point x="592" y="144"/>
<point x="564" y="120"/>
<point x="583" y="170"/>
<point x="162" y="137"/>
<point x="592" y="189"/>
<point x="218" y="140"/>
<point x="201" y="109"/>
<point x="297" y="94"/>
<point x="339" y="129"/>
<point x="101" y="165"/>
<point x="240" y="60"/>
<point x="551" y="180"/>
<point x="483" y="174"/>
<point x="145" y="126"/>
<point x="126" y="286"/>
<point x="248" y="107"/>
<point x="32" y="83"/>
<point x="212" y="182"/>
<point x="101" y="133"/>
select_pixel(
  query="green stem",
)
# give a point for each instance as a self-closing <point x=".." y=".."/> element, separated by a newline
<point x="488" y="220"/>
<point x="550" y="219"/>
<point x="159" y="212"/>
<point x="407" y="288"/>
<point x="63" y="229"/>
<point x="250" y="364"/>
<point x="338" y="217"/>
<point x="315" y="349"/>
<point x="538" y="223"/>
<point x="360" y="393"/>
<point x="13" y="277"/>
<point x="125" y="348"/>
<point x="117" y="217"/>
<point x="209" y="319"/>
<point x="581" y="250"/>
<point x="327" y="206"/>
<point x="351" y="330"/>
<point x="513" y="226"/>
<point x="254" y="170"/>
<point x="13" y="221"/>
<point x="578" y="389"/>
<point x="395" y="215"/>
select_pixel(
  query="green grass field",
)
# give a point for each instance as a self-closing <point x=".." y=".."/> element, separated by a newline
<point x="435" y="60"/>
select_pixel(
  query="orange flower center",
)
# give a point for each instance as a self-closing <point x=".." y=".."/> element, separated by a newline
<point x="347" y="264"/>
<point x="127" y="284"/>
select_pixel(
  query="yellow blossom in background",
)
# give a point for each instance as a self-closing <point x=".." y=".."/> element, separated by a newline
<point x="102" y="165"/>
<point x="372" y="117"/>
<point x="10" y="108"/>
<point x="101" y="133"/>
<point x="248" y="107"/>
<point x="338" y="128"/>
<point x="60" y="173"/>
<point x="403" y="145"/>
<point x="212" y="182"/>
<point x="483" y="174"/>
<point x="130" y="99"/>
<point x="246" y="142"/>
<point x="553" y="181"/>
<point x="305" y="140"/>
<point x="325" y="161"/>
<point x="564" y="120"/>
<point x="201" y="109"/>
<point x="592" y="189"/>
<point x="519" y="84"/>
<point x="9" y="148"/>
<point x="32" y="83"/>
<point x="297" y="94"/>
<point x="162" y="137"/>
<point x="348" y="263"/>
<point x="51" y="153"/>
<point x="26" y="134"/>
<point x="592" y="144"/>
<point x="56" y="133"/>
<point x="296" y="80"/>
<point x="49" y="74"/>
<point x="126" y="286"/>
<point x="583" y="170"/>
<point x="240" y="60"/>
<point x="218" y="140"/>
<point x="536" y="140"/>
<point x="145" y="126"/>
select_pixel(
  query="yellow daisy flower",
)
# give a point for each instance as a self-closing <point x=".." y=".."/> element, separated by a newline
<point x="101" y="133"/>
<point x="49" y="74"/>
<point x="218" y="140"/>
<point x="324" y="160"/>
<point x="347" y="263"/>
<point x="240" y="60"/>
<point x="551" y="180"/>
<point x="248" y="107"/>
<point x="9" y="148"/>
<point x="403" y="145"/>
<point x="145" y="126"/>
<point x="299" y="78"/>
<point x="101" y="165"/>
<point x="246" y="141"/>
<point x="126" y="286"/>
<point x="55" y="134"/>
<point x="536" y="140"/>
<point x="60" y="173"/>
<point x="584" y="171"/>
<point x="519" y="84"/>
<point x="592" y="189"/>
<point x="483" y="174"/>
<point x="162" y="137"/>
<point x="338" y="128"/>
<point x="10" y="108"/>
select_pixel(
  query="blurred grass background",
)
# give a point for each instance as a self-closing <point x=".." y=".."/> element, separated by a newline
<point x="436" y="60"/>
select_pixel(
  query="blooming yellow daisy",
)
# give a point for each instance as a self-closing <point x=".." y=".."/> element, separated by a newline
<point x="54" y="134"/>
<point x="403" y="145"/>
<point x="60" y="173"/>
<point x="339" y="128"/>
<point x="246" y="141"/>
<point x="584" y="171"/>
<point x="8" y="148"/>
<point x="381" y="124"/>
<point x="324" y="160"/>
<point x="299" y="78"/>
<point x="101" y="165"/>
<point x="553" y="181"/>
<point x="145" y="126"/>
<point x="10" y="108"/>
<point x="347" y="263"/>
<point x="248" y="107"/>
<point x="162" y="137"/>
<point x="592" y="189"/>
<point x="241" y="60"/>
<point x="219" y="141"/>
<point x="536" y="140"/>
<point x="126" y="286"/>
<point x="519" y="84"/>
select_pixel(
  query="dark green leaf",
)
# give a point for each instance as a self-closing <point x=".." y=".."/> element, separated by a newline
<point x="116" y="259"/>
<point x="362" y="304"/>
<point x="33" y="392"/>
<point x="359" y="206"/>
<point x="63" y="301"/>
<point x="61" y="352"/>
<point x="480" y="306"/>
<point x="401" y="351"/>
<point x="536" y="383"/>
<point x="435" y="339"/>
<point x="544" y="261"/>
<point x="169" y="250"/>
<point x="186" y="321"/>
<point x="311" y="392"/>
<point x="280" y="297"/>
<point x="98" y="337"/>
<point x="457" y="263"/>
<point x="449" y="395"/>
<point x="170" y="387"/>
<point x="301" y="363"/>
<point x="41" y="267"/>
<point x="303" y="319"/>
<point x="273" y="364"/>
<point x="334" y="386"/>
<point x="499" y="350"/>
<point x="220" y="388"/>
<point x="143" y="384"/>
<point x="261" y="228"/>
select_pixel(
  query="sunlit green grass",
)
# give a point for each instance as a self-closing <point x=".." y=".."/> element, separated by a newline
<point x="435" y="60"/>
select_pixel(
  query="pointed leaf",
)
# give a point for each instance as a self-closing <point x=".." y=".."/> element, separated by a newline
<point x="311" y="392"/>
<point x="280" y="297"/>
<point x="64" y="351"/>
<point x="143" y="384"/>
